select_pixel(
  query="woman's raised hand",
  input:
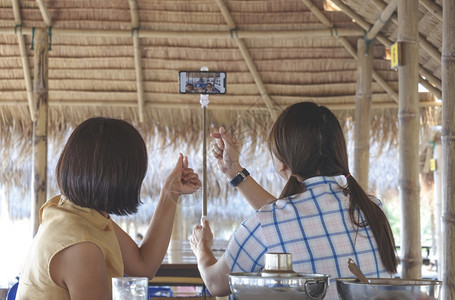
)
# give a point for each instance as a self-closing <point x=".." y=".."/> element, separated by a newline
<point x="202" y="237"/>
<point x="182" y="180"/>
<point x="226" y="152"/>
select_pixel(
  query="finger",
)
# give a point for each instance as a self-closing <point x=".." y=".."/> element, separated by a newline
<point x="179" y="164"/>
<point x="185" y="162"/>
<point x="216" y="135"/>
<point x="227" y="140"/>
<point x="218" y="156"/>
<point x="217" y="149"/>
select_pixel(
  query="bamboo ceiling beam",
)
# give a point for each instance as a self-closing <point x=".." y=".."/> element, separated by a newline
<point x="241" y="34"/>
<point x="382" y="20"/>
<point x="433" y="8"/>
<point x="349" y="48"/>
<point x="247" y="57"/>
<point x="331" y="102"/>
<point x="435" y="91"/>
<point x="44" y="13"/>
<point x="366" y="25"/>
<point x="24" y="59"/>
<point x="137" y="58"/>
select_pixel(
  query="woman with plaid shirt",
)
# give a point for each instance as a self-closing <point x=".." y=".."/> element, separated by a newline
<point x="322" y="217"/>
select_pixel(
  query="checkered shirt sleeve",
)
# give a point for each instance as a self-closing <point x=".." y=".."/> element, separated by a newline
<point x="246" y="250"/>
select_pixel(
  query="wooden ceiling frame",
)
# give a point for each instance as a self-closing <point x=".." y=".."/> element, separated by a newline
<point x="44" y="13"/>
<point x="324" y="20"/>
<point x="249" y="61"/>
<point x="434" y="86"/>
<point x="137" y="59"/>
<point x="24" y="58"/>
<point x="433" y="8"/>
<point x="383" y="19"/>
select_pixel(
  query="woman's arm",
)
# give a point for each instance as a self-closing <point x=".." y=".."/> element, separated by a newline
<point x="213" y="272"/>
<point x="77" y="268"/>
<point x="146" y="259"/>
<point x="226" y="152"/>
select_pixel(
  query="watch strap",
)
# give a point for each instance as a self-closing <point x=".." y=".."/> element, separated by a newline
<point x="241" y="176"/>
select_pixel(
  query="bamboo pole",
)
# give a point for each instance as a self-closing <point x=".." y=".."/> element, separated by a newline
<point x="241" y="34"/>
<point x="382" y="20"/>
<point x="44" y="13"/>
<point x="24" y="58"/>
<point x="408" y="118"/>
<point x="433" y="8"/>
<point x="363" y="113"/>
<point x="40" y="93"/>
<point x="324" y="20"/>
<point x="448" y="149"/>
<point x="330" y="102"/>
<point x="137" y="59"/>
<point x="247" y="57"/>
<point x="437" y="178"/>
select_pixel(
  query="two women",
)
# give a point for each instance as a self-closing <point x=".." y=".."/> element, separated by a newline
<point x="78" y="248"/>
<point x="322" y="217"/>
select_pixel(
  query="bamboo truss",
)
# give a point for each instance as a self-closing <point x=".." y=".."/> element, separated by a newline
<point x="324" y="20"/>
<point x="248" y="60"/>
<point x="40" y="93"/>
<point x="448" y="149"/>
<point x="24" y="59"/>
<point x="408" y="119"/>
<point x="430" y="49"/>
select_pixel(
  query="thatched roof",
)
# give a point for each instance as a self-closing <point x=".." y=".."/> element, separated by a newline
<point x="93" y="70"/>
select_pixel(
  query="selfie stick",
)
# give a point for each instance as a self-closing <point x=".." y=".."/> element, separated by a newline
<point x="204" y="103"/>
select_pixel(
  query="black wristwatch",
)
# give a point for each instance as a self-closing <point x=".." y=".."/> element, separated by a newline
<point x="241" y="176"/>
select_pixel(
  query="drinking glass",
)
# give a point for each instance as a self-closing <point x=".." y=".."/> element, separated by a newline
<point x="130" y="288"/>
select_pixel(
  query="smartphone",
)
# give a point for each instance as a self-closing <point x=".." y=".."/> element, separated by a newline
<point x="202" y="82"/>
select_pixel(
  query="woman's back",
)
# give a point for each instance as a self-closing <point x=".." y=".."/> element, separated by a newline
<point x="315" y="228"/>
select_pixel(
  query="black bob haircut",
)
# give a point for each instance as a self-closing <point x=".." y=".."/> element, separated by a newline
<point x="103" y="165"/>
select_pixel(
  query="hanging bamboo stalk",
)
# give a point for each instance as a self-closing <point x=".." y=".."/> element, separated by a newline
<point x="448" y="149"/>
<point x="363" y="113"/>
<point x="40" y="93"/>
<point x="408" y="116"/>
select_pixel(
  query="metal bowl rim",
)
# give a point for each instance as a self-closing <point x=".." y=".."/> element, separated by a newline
<point x="400" y="281"/>
<point x="298" y="276"/>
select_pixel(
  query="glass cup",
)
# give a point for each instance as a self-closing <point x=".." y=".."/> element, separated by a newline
<point x="130" y="288"/>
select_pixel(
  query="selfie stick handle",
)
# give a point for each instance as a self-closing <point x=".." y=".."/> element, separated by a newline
<point x="204" y="103"/>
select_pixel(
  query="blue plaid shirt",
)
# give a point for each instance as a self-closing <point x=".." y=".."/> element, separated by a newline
<point x="315" y="228"/>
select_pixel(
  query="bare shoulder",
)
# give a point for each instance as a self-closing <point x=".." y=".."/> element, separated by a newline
<point x="81" y="270"/>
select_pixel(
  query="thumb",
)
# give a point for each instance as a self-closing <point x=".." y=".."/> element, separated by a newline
<point x="205" y="222"/>
<point x="179" y="164"/>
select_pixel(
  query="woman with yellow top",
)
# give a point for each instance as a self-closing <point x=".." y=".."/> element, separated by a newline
<point x="78" y="249"/>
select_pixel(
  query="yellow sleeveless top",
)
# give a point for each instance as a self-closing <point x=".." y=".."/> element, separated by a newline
<point x="64" y="224"/>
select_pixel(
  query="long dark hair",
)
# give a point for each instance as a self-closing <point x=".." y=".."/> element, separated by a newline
<point x="309" y="140"/>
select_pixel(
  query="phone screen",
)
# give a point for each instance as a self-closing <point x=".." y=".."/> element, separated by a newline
<point x="202" y="82"/>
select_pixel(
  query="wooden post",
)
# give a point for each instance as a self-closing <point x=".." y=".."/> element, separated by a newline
<point x="40" y="95"/>
<point x="448" y="149"/>
<point x="408" y="116"/>
<point x="362" y="113"/>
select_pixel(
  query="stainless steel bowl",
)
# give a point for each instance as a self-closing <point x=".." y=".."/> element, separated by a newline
<point x="388" y="289"/>
<point x="278" y="281"/>
<point x="253" y="286"/>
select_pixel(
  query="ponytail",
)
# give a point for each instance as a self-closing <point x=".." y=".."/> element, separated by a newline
<point x="376" y="219"/>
